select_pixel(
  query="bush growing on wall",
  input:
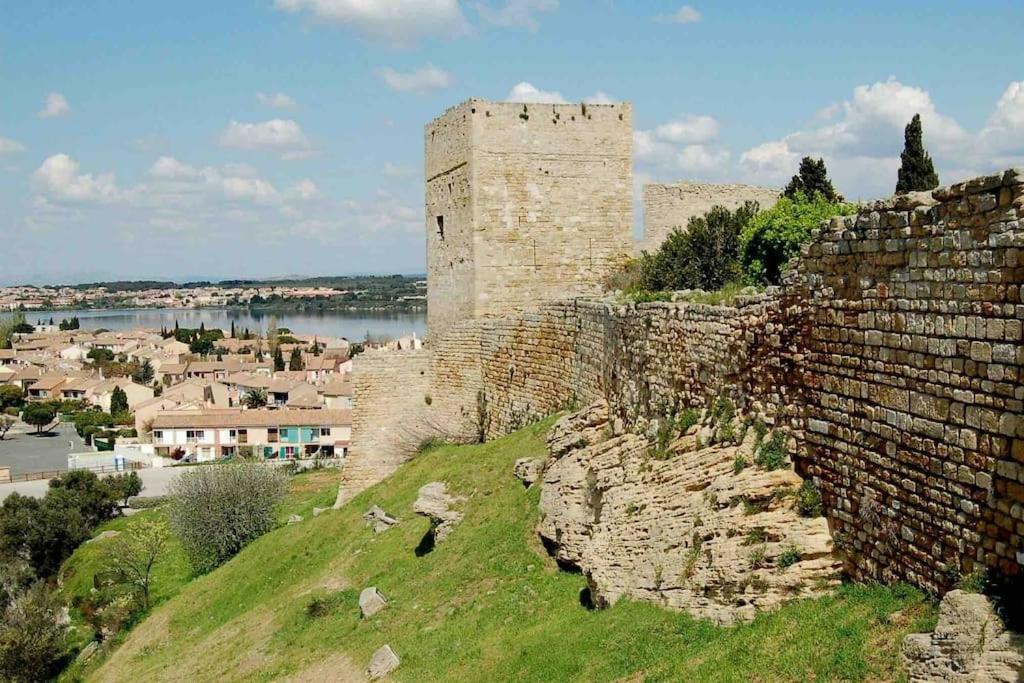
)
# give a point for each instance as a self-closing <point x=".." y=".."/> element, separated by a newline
<point x="704" y="256"/>
<point x="216" y="511"/>
<point x="774" y="236"/>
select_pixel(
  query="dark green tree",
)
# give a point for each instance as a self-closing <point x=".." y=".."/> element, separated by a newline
<point x="38" y="415"/>
<point x="118" y="401"/>
<point x="295" y="360"/>
<point x="11" y="396"/>
<point x="703" y="256"/>
<point x="278" y="359"/>
<point x="812" y="179"/>
<point x="916" y="170"/>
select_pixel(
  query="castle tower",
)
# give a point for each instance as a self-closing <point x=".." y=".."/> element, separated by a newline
<point x="524" y="203"/>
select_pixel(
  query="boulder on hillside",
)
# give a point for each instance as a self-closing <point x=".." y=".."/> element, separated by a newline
<point x="970" y="643"/>
<point x="294" y="519"/>
<point x="319" y="511"/>
<point x="383" y="662"/>
<point x="371" y="602"/>
<point x="379" y="520"/>
<point x="434" y="503"/>
<point x="528" y="470"/>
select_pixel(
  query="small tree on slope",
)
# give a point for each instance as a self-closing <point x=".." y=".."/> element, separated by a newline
<point x="916" y="170"/>
<point x="812" y="179"/>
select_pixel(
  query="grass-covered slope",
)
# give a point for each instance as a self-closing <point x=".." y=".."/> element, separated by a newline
<point x="485" y="605"/>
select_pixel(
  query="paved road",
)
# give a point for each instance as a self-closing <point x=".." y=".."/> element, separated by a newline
<point x="154" y="483"/>
<point x="26" y="451"/>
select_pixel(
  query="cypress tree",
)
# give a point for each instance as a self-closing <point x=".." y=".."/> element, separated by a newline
<point x="812" y="179"/>
<point x="916" y="170"/>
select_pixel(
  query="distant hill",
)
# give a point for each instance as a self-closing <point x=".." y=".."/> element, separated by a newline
<point x="337" y="281"/>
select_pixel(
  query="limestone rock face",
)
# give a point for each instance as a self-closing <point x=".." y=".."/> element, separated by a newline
<point x="687" y="531"/>
<point x="371" y="602"/>
<point x="434" y="503"/>
<point x="383" y="662"/>
<point x="528" y="470"/>
<point x="379" y="520"/>
<point x="970" y="643"/>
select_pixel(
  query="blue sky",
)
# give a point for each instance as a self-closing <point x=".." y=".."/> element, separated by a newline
<point x="276" y="137"/>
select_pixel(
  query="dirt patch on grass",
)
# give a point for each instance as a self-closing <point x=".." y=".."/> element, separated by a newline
<point x="334" y="669"/>
<point x="315" y="481"/>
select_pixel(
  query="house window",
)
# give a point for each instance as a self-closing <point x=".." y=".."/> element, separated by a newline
<point x="158" y="435"/>
<point x="193" y="435"/>
<point x="440" y="226"/>
<point x="290" y="451"/>
<point x="325" y="431"/>
<point x="231" y="433"/>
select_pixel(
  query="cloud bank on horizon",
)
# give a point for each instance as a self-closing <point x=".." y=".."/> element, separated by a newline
<point x="280" y="174"/>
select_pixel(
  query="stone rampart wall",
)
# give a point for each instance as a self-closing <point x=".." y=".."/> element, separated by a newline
<point x="893" y="356"/>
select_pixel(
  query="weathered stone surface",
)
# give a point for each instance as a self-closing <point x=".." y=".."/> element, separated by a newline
<point x="294" y="519"/>
<point x="383" y="662"/>
<point x="378" y="520"/>
<point x="434" y="503"/>
<point x="528" y="470"/>
<point x="88" y="651"/>
<point x="371" y="602"/>
<point x="687" y="532"/>
<point x="319" y="511"/>
<point x="970" y="643"/>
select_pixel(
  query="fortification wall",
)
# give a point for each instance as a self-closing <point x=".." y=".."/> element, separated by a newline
<point x="671" y="206"/>
<point x="893" y="356"/>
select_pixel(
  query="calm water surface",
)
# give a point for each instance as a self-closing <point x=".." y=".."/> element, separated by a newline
<point x="353" y="325"/>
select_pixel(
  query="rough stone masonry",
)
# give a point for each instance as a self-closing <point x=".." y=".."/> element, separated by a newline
<point x="893" y="356"/>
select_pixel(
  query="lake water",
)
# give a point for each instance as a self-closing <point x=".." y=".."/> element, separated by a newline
<point x="354" y="325"/>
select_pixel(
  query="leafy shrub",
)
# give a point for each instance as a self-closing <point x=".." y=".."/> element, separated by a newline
<point x="147" y="503"/>
<point x="772" y="454"/>
<point x="688" y="419"/>
<point x="774" y="236"/>
<point x="808" y="500"/>
<point x="704" y="256"/>
<point x="32" y="638"/>
<point x="739" y="464"/>
<point x="216" y="511"/>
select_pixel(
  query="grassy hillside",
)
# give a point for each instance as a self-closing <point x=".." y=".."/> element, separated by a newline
<point x="485" y="605"/>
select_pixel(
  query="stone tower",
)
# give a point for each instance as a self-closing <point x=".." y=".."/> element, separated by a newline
<point x="524" y="203"/>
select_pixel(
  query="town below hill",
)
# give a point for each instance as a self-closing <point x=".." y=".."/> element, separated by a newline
<point x="357" y="292"/>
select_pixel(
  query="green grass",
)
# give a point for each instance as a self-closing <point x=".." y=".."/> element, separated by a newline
<point x="172" y="572"/>
<point x="485" y="605"/>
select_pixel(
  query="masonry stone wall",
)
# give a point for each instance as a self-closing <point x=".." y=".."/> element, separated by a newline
<point x="892" y="356"/>
<point x="524" y="203"/>
<point x="671" y="206"/>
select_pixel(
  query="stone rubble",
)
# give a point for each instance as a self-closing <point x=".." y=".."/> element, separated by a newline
<point x="434" y="503"/>
<point x="371" y="602"/>
<point x="378" y="520"/>
<point x="528" y="470"/>
<point x="970" y="644"/>
<point x="294" y="519"/>
<point x="383" y="662"/>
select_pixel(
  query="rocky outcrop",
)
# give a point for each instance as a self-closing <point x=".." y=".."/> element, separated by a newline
<point x="970" y="643"/>
<point x="383" y="662"/>
<point x="379" y="520"/>
<point x="434" y="503"/>
<point x="703" y="530"/>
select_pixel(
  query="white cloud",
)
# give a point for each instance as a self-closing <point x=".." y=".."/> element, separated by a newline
<point x="304" y="190"/>
<point x="8" y="146"/>
<point x="172" y="169"/>
<point x="59" y="178"/>
<point x="56" y="106"/>
<point x="278" y="100"/>
<point x="601" y="97"/>
<point x="1003" y="134"/>
<point x="422" y="80"/>
<point x="516" y="13"/>
<point x="527" y="92"/>
<point x="283" y="136"/>
<point x="249" y="188"/>
<point x="690" y="129"/>
<point x="684" y="15"/>
<point x="397" y="22"/>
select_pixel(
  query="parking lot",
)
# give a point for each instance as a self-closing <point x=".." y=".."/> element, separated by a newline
<point x="25" y="451"/>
